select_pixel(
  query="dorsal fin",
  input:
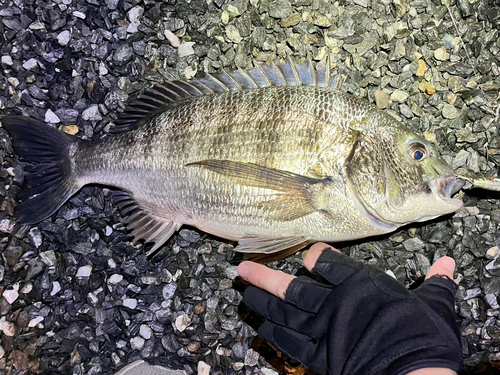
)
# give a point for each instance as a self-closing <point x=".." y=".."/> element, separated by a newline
<point x="161" y="96"/>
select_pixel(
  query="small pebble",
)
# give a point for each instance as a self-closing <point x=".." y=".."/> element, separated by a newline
<point x="49" y="258"/>
<point x="441" y="54"/>
<point x="84" y="271"/>
<point x="186" y="49"/>
<point x="64" y="37"/>
<point x="203" y="368"/>
<point x="421" y="68"/>
<point x="251" y="358"/>
<point x="56" y="288"/>
<point x="430" y="136"/>
<point x="92" y="113"/>
<point x="449" y="111"/>
<point x="27" y="288"/>
<point x="233" y="34"/>
<point x="182" y="322"/>
<point x="115" y="278"/>
<point x="169" y="290"/>
<point x="413" y="244"/>
<point x="70" y="129"/>
<point x="8" y="328"/>
<point x="35" y="321"/>
<point x="137" y="342"/>
<point x="145" y="331"/>
<point x="13" y="81"/>
<point x="224" y="18"/>
<point x="492" y="252"/>
<point x="79" y="14"/>
<point x="472" y="293"/>
<point x="381" y="99"/>
<point x="268" y="371"/>
<point x="427" y="87"/>
<point x="131" y="303"/>
<point x="51" y="117"/>
<point x="30" y="64"/>
<point x="172" y="38"/>
<point x="10" y="295"/>
<point x="135" y="14"/>
<point x="399" y="96"/>
<point x="7" y="60"/>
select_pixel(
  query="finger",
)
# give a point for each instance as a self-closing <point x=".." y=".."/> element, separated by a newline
<point x="444" y="266"/>
<point x="274" y="282"/>
<point x="276" y="310"/>
<point x="439" y="293"/>
<point x="294" y="344"/>
<point x="330" y="263"/>
<point x="306" y="294"/>
<point x="313" y="254"/>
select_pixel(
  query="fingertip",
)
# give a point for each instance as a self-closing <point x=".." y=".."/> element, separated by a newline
<point x="449" y="264"/>
<point x="243" y="269"/>
<point x="313" y="254"/>
<point x="443" y="266"/>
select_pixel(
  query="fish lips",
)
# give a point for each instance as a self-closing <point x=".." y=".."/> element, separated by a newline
<point x="444" y="187"/>
<point x="435" y="203"/>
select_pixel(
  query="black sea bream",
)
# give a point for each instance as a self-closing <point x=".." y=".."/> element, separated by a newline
<point x="274" y="158"/>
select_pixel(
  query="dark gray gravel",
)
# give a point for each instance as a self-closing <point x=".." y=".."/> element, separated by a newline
<point x="79" y="298"/>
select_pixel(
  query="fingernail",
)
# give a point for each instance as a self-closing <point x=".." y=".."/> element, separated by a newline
<point x="243" y="270"/>
<point x="304" y="253"/>
<point x="449" y="264"/>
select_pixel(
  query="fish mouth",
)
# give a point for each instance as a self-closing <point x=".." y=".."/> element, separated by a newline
<point x="444" y="187"/>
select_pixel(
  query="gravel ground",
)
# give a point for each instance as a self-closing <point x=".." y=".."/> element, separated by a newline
<point x="79" y="298"/>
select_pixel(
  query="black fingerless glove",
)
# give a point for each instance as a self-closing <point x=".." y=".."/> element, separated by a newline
<point x="361" y="321"/>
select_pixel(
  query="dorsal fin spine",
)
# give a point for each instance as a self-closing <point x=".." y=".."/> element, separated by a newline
<point x="176" y="84"/>
<point x="249" y="78"/>
<point x="313" y="73"/>
<point x="222" y="85"/>
<point x="279" y="72"/>
<point x="327" y="72"/>
<point x="196" y="89"/>
<point x="295" y="72"/>
<point x="231" y="78"/>
<point x="210" y="91"/>
<point x="264" y="76"/>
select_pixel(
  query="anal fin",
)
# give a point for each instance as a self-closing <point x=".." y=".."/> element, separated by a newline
<point x="144" y="225"/>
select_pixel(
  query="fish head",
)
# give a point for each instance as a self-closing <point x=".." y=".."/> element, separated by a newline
<point x="399" y="177"/>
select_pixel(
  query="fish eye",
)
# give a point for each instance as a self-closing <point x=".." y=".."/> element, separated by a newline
<point x="417" y="151"/>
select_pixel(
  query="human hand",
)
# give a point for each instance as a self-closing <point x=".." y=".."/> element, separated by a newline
<point x="360" y="321"/>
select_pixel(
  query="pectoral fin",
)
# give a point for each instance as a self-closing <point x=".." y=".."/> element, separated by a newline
<point x="292" y="199"/>
<point x="251" y="174"/>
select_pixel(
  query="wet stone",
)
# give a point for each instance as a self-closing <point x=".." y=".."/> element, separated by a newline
<point x="186" y="49"/>
<point x="399" y="96"/>
<point x="450" y="112"/>
<point x="414" y="244"/>
<point x="251" y="358"/>
<point x="280" y="9"/>
<point x="493" y="267"/>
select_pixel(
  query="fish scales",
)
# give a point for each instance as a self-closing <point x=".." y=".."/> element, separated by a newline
<point x="274" y="167"/>
<point x="153" y="158"/>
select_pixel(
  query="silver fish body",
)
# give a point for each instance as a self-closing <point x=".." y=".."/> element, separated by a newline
<point x="274" y="167"/>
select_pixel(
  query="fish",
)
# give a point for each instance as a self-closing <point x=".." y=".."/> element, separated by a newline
<point x="275" y="158"/>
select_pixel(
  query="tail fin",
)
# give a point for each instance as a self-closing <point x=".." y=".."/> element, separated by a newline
<point x="48" y="181"/>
